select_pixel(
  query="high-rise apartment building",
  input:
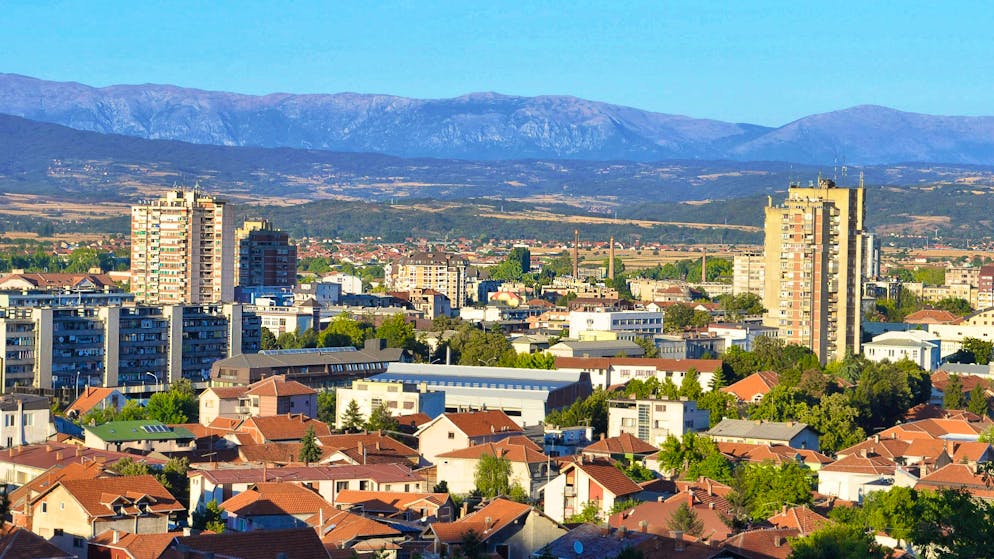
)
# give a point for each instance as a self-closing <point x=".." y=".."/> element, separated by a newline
<point x="814" y="266"/>
<point x="985" y="287"/>
<point x="264" y="256"/>
<point x="182" y="250"/>
<point x="749" y="274"/>
<point x="445" y="273"/>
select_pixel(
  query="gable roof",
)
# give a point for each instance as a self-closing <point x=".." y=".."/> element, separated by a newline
<point x="762" y="544"/>
<point x="512" y="452"/>
<point x="607" y="476"/>
<point x="98" y="496"/>
<point x="376" y="446"/>
<point x="289" y="427"/>
<point x="889" y="448"/>
<point x="59" y="280"/>
<point x="19" y="543"/>
<point x="710" y="508"/>
<point x="856" y="464"/>
<point x="342" y="527"/>
<point x="777" y="453"/>
<point x="138" y="430"/>
<point x="932" y="316"/>
<point x="933" y="429"/>
<point x="755" y="384"/>
<point x="956" y="476"/>
<point x="381" y="473"/>
<point x="801" y="518"/>
<point x="479" y="423"/>
<point x="267" y="499"/>
<point x="501" y="513"/>
<point x="55" y="474"/>
<point x="92" y="396"/>
<point x="625" y="443"/>
<point x="45" y="456"/>
<point x="387" y="502"/>
<point x="296" y="543"/>
<point x="278" y="386"/>
<point x="138" y="546"/>
<point x="227" y="392"/>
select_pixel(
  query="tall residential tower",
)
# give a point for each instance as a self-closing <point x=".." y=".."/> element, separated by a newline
<point x="182" y="250"/>
<point x="814" y="263"/>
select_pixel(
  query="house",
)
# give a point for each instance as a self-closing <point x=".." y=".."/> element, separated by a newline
<point x="97" y="397"/>
<point x="918" y="346"/>
<point x="400" y="398"/>
<point x="505" y="528"/>
<point x="116" y="544"/>
<point x="267" y="397"/>
<point x="367" y="448"/>
<point x="425" y="507"/>
<point x="773" y="453"/>
<point x="654" y="420"/>
<point x="297" y="543"/>
<point x="790" y="433"/>
<point x="958" y="476"/>
<point x="530" y="468"/>
<point x="20" y="543"/>
<point x="589" y="541"/>
<point x="707" y="500"/>
<point x="800" y="518"/>
<point x="22" y="498"/>
<point x="354" y="533"/>
<point x="932" y="316"/>
<point x="583" y="482"/>
<point x="625" y="446"/>
<point x="70" y="512"/>
<point x="758" y="544"/>
<point x="26" y="419"/>
<point x="19" y="465"/>
<point x="608" y="371"/>
<point x="453" y="431"/>
<point x="281" y="428"/>
<point x="752" y="388"/>
<point x="940" y="385"/>
<point x="274" y="506"/>
<point x="856" y="475"/>
<point x="143" y="436"/>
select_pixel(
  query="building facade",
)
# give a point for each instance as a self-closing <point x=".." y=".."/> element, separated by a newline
<point x="182" y="250"/>
<point x="814" y="267"/>
<point x="644" y="323"/>
<point x="445" y="273"/>
<point x="399" y="397"/>
<point x="653" y="420"/>
<point x="749" y="274"/>
<point x="264" y="256"/>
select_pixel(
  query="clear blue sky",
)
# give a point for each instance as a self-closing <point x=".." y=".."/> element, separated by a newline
<point x="761" y="62"/>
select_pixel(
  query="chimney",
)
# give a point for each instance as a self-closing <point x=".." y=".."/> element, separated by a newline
<point x="677" y="536"/>
<point x="79" y="451"/>
<point x="465" y="509"/>
<point x="48" y="448"/>
<point x="622" y="532"/>
<point x="660" y="499"/>
<point x="116" y="537"/>
<point x="610" y="260"/>
<point x="783" y="509"/>
<point x="690" y="497"/>
<point x="58" y="456"/>
<point x="602" y="436"/>
<point x="643" y="526"/>
<point x="950" y="448"/>
<point x="707" y="482"/>
<point x="488" y="524"/>
<point x="711" y="505"/>
<point x="876" y="438"/>
<point x="777" y="541"/>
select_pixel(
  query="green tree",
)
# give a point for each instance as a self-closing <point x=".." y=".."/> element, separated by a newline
<point x="952" y="524"/>
<point x="352" y="420"/>
<point x="623" y="505"/>
<point x="589" y="514"/>
<point x="380" y="419"/>
<point x="978" y="403"/>
<point x="268" y="340"/>
<point x="538" y="360"/>
<point x="326" y="406"/>
<point x="779" y="404"/>
<point x="635" y="471"/>
<point x="174" y="406"/>
<point x="955" y="305"/>
<point x="343" y="331"/>
<point x="523" y="256"/>
<point x="493" y="476"/>
<point x="508" y="270"/>
<point x="471" y="545"/>
<point x="400" y="333"/>
<point x="211" y="518"/>
<point x="174" y="478"/>
<point x="677" y="317"/>
<point x="651" y="351"/>
<point x="129" y="467"/>
<point x="737" y="307"/>
<point x="836" y="541"/>
<point x="591" y="410"/>
<point x="952" y="396"/>
<point x="132" y="411"/>
<point x="441" y="487"/>
<point x="518" y="493"/>
<point x="981" y="351"/>
<point x="695" y="455"/>
<point x="837" y="421"/>
<point x="719" y="404"/>
<point x="768" y="487"/>
<point x="309" y="449"/>
<point x="685" y="520"/>
<point x="690" y="386"/>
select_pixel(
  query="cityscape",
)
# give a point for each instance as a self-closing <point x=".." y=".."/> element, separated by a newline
<point x="432" y="324"/>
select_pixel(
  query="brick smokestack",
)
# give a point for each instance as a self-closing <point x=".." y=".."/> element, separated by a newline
<point x="610" y="260"/>
<point x="576" y="253"/>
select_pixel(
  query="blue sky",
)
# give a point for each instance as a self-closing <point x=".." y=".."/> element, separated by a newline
<point x="760" y="62"/>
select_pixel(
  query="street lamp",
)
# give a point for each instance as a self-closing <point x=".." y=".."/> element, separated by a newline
<point x="77" y="383"/>
<point x="154" y="376"/>
<point x="488" y="361"/>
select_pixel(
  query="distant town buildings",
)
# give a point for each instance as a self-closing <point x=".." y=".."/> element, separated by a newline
<point x="264" y="256"/>
<point x="445" y="273"/>
<point x="182" y="250"/>
<point x="749" y="274"/>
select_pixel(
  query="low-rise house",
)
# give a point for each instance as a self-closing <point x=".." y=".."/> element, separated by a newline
<point x="958" y="476"/>
<point x="790" y="433"/>
<point x="530" y="468"/>
<point x="505" y="528"/>
<point x="801" y="518"/>
<point x="918" y="346"/>
<point x="654" y="420"/>
<point x="589" y="541"/>
<point x="752" y="388"/>
<point x="115" y="544"/>
<point x="26" y="419"/>
<point x="941" y="382"/>
<point x="932" y="316"/>
<point x="775" y="453"/>
<point x="935" y="429"/>
<point x="706" y="500"/>
<point x="367" y="448"/>
<point x="19" y="465"/>
<point x="853" y="477"/>
<point x="143" y="436"/>
<point x="599" y="482"/>
<point x="297" y="543"/>
<point x="346" y="532"/>
<point x="267" y="397"/>
<point x="400" y="398"/>
<point x="424" y="507"/>
<point x="453" y="431"/>
<point x="97" y="397"/>
<point x="625" y="447"/>
<point x="19" y="543"/>
<point x="22" y="499"/>
<point x="72" y="511"/>
<point x="274" y="506"/>
<point x="758" y="544"/>
<point x="281" y="428"/>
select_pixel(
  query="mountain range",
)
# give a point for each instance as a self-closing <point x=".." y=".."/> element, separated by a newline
<point x="491" y="126"/>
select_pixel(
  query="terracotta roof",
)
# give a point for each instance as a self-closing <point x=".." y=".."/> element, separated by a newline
<point x="60" y="280"/>
<point x="289" y="427"/>
<point x="272" y="453"/>
<point x="413" y="420"/>
<point x="375" y="444"/>
<point x="776" y="453"/>
<point x="756" y="384"/>
<point x="609" y="477"/>
<point x="45" y="456"/>
<point x="957" y="476"/>
<point x="928" y="449"/>
<point x="99" y="496"/>
<point x="138" y="546"/>
<point x="18" y="543"/>
<point x="521" y="440"/>
<point x="970" y="451"/>
<point x="501" y="512"/>
<point x="278" y="386"/>
<point x="343" y="527"/>
<point x="626" y="443"/>
<point x="710" y="508"/>
<point x="888" y="448"/>
<point x="267" y="499"/>
<point x="800" y="518"/>
<point x="932" y="316"/>
<point x="941" y="379"/>
<point x="603" y="363"/>
<point x="762" y="544"/>
<point x="513" y="452"/>
<point x="228" y="392"/>
<point x="45" y="481"/>
<point x="932" y="429"/>
<point x="296" y="543"/>
<point x="481" y="423"/>
<point x="856" y="464"/>
<point x="90" y="397"/>
<point x="381" y="473"/>
<point x="387" y="502"/>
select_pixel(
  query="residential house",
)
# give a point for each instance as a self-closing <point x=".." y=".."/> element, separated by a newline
<point x="453" y="431"/>
<point x="530" y="468"/>
<point x="958" y="476"/>
<point x="932" y="316"/>
<point x="72" y="511"/>
<point x="424" y="507"/>
<point x="97" y="397"/>
<point x="26" y="419"/>
<point x="367" y="448"/>
<point x="918" y="346"/>
<point x="758" y="544"/>
<point x="579" y="483"/>
<point x="400" y="398"/>
<point x="752" y="388"/>
<point x="853" y="477"/>
<point x="705" y="498"/>
<point x="800" y="518"/>
<point x="790" y="433"/>
<point x="347" y="532"/>
<point x="564" y="441"/>
<point x="625" y="447"/>
<point x="773" y="453"/>
<point x="143" y="436"/>
<point x="267" y="397"/>
<point x="654" y="420"/>
<point x="608" y="371"/>
<point x="297" y="543"/>
<point x="22" y="499"/>
<point x="19" y="465"/>
<point x="505" y="528"/>
<point x="20" y="543"/>
<point x="281" y="428"/>
<point x="274" y="506"/>
<point x="115" y="544"/>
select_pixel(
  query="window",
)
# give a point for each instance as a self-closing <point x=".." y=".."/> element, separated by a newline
<point x="44" y="507"/>
<point x="78" y="542"/>
<point x="452" y="435"/>
<point x="59" y="532"/>
<point x="341" y="485"/>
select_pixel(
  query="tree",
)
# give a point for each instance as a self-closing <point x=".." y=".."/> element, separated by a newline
<point x="651" y="351"/>
<point x="129" y="467"/>
<point x="174" y="478"/>
<point x="690" y="386"/>
<point x="590" y="513"/>
<point x="167" y="407"/>
<point x="493" y="476"/>
<point x="719" y="404"/>
<point x="952" y="524"/>
<point x="779" y="404"/>
<point x="441" y="487"/>
<point x="837" y="421"/>
<point x="326" y="406"/>
<point x="132" y="411"/>
<point x="380" y="419"/>
<point x="952" y="396"/>
<point x="268" y="340"/>
<point x="738" y="306"/>
<point x="538" y="360"/>
<point x="980" y="350"/>
<point x="768" y="487"/>
<point x="677" y="317"/>
<point x="211" y="518"/>
<point x="352" y="420"/>
<point x="978" y="401"/>
<point x="309" y="449"/>
<point x="471" y="545"/>
<point x="685" y="520"/>
<point x="636" y="471"/>
<point x="523" y="256"/>
<point x="955" y="305"/>
<point x="400" y="333"/>
<point x="694" y="454"/>
<point x="836" y="541"/>
<point x="592" y="411"/>
<point x="623" y="505"/>
<point x="343" y="331"/>
<point x="508" y="270"/>
<point x="518" y="493"/>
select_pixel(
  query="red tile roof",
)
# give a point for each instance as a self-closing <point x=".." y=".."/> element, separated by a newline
<point x="762" y="544"/>
<point x="501" y="513"/>
<point x="229" y="392"/>
<point x="45" y="456"/>
<point x="756" y="384"/>
<point x="957" y="476"/>
<point x="138" y="546"/>
<point x="710" y="508"/>
<point x="856" y="464"/>
<point x="278" y="386"/>
<point x="343" y="527"/>
<point x="99" y="496"/>
<point x="933" y="429"/>
<point x="90" y="397"/>
<point x="268" y="499"/>
<point x="297" y="543"/>
<point x="414" y="420"/>
<point x="626" y="443"/>
<point x="482" y="423"/>
<point x="888" y="448"/>
<point x="289" y="427"/>
<point x="800" y="518"/>
<point x="44" y="482"/>
<point x="609" y="477"/>
<point x="381" y="473"/>
<point x="513" y="452"/>
<point x="18" y="543"/>
<point x="777" y="453"/>
<point x="376" y="446"/>
<point x="932" y="316"/>
<point x="60" y="280"/>
<point x="388" y="502"/>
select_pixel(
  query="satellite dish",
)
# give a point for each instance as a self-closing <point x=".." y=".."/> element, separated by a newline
<point x="578" y="547"/>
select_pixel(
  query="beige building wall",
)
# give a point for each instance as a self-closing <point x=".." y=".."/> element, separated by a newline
<point x="813" y="253"/>
<point x="749" y="274"/>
